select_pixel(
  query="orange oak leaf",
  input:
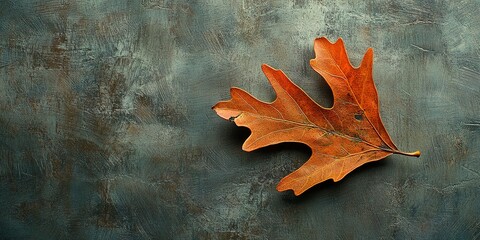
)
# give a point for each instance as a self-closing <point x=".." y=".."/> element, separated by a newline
<point x="342" y="138"/>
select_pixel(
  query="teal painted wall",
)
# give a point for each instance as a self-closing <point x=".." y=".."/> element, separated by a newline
<point x="106" y="130"/>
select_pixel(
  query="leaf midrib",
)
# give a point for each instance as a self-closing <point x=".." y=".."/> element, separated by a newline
<point x="335" y="132"/>
<point x="353" y="94"/>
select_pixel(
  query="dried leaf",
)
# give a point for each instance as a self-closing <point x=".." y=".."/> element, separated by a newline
<point x="342" y="138"/>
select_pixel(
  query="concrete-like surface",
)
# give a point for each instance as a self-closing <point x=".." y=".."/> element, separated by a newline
<point x="106" y="130"/>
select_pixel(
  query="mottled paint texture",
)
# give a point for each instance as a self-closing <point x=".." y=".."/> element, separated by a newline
<point x="106" y="130"/>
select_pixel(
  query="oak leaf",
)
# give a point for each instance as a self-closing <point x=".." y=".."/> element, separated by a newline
<point x="342" y="138"/>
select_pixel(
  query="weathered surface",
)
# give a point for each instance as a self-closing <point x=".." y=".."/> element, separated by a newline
<point x="106" y="129"/>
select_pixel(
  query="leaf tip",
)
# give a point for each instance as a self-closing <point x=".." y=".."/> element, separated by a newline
<point x="267" y="68"/>
<point x="339" y="40"/>
<point x="246" y="148"/>
<point x="227" y="114"/>
<point x="281" y="188"/>
<point x="284" y="186"/>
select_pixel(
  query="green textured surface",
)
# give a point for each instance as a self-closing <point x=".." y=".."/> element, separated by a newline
<point x="106" y="130"/>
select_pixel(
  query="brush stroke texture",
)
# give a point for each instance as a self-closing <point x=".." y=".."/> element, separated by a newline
<point x="106" y="130"/>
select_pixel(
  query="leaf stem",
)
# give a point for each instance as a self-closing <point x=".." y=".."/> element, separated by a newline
<point x="410" y="154"/>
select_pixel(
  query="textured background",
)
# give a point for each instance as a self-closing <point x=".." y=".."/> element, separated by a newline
<point x="106" y="130"/>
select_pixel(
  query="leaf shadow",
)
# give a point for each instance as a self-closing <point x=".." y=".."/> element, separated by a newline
<point x="312" y="82"/>
<point x="238" y="135"/>
<point x="330" y="188"/>
<point x="298" y="155"/>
